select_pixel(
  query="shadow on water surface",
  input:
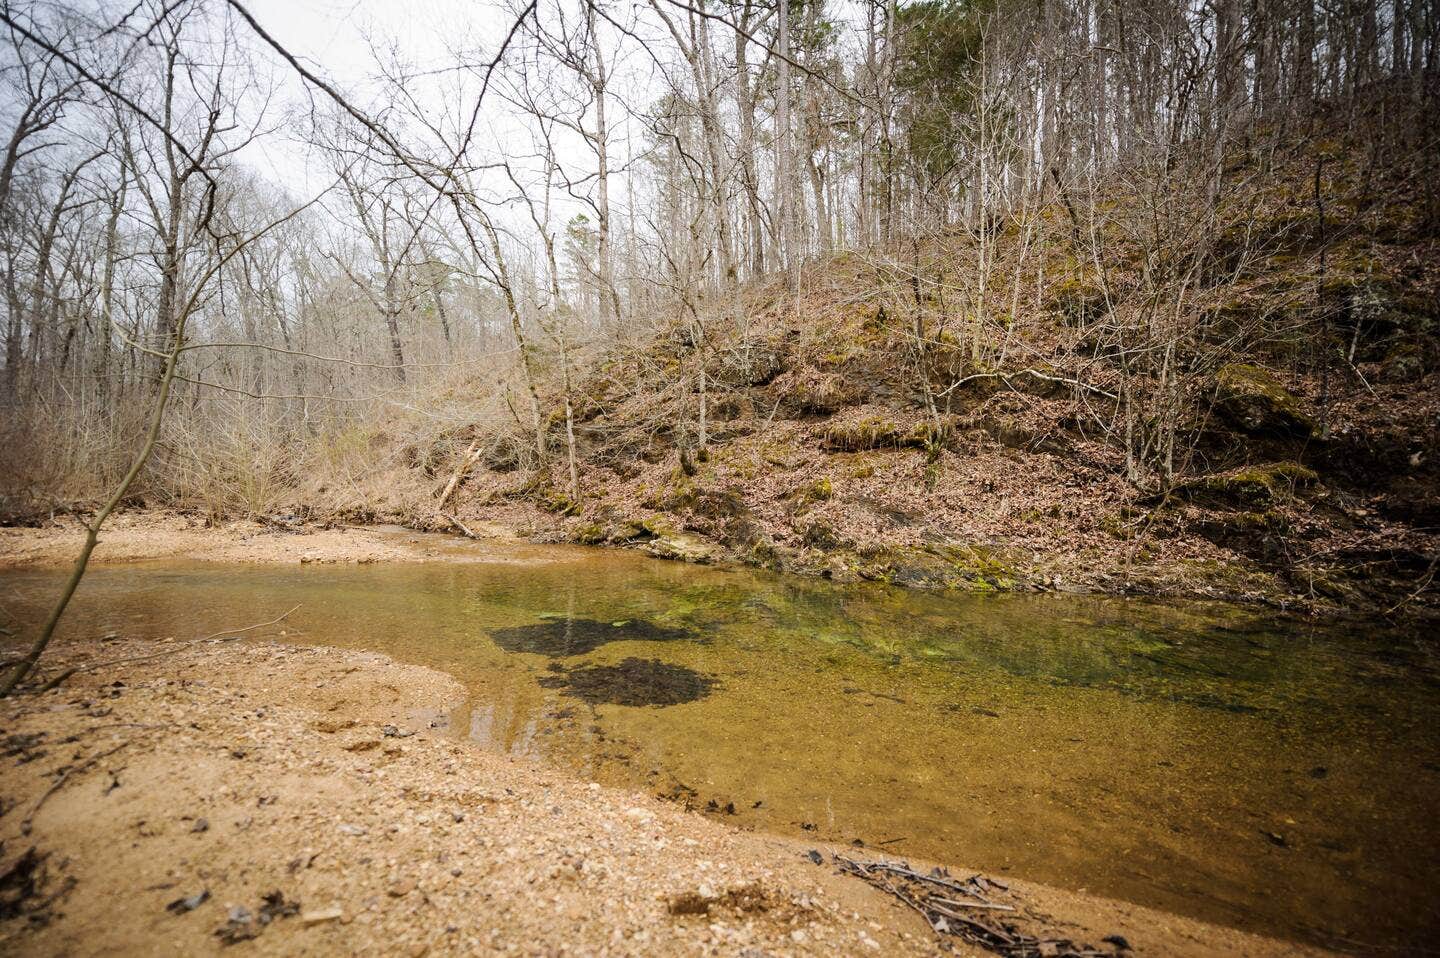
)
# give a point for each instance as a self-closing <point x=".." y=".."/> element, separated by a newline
<point x="631" y="682"/>
<point x="558" y="637"/>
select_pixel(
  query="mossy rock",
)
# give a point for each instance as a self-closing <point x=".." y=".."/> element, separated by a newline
<point x="969" y="568"/>
<point x="764" y="553"/>
<point x="821" y="535"/>
<point x="1372" y="313"/>
<point x="559" y="503"/>
<point x="1260" y="533"/>
<point x="1404" y="363"/>
<point x="678" y="493"/>
<point x="1252" y="487"/>
<point x="753" y="365"/>
<point x="1252" y="400"/>
<point x="868" y="433"/>
<point x="718" y="503"/>
<point x="682" y="547"/>
<point x="1077" y="301"/>
<point x="590" y="534"/>
<point x="820" y="490"/>
<point x="655" y="526"/>
<point x="632" y="530"/>
<point x="878" y="432"/>
<point x="809" y="391"/>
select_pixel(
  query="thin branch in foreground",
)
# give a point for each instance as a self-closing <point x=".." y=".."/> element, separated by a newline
<point x="233" y="634"/>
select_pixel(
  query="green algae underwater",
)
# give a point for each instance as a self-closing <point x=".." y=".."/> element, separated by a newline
<point x="1229" y="764"/>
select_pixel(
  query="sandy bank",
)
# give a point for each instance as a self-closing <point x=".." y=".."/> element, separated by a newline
<point x="246" y="769"/>
<point x="136" y="536"/>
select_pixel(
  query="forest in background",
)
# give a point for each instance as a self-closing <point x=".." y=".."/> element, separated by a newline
<point x="965" y="283"/>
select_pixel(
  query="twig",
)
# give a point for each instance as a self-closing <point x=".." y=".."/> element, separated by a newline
<point x="972" y="904"/>
<point x="170" y="650"/>
<point x="59" y="783"/>
<point x="55" y="682"/>
<point x="932" y="879"/>
<point x="464" y="529"/>
<point x="946" y="916"/>
<point x="1429" y="576"/>
<point x="1005" y="377"/>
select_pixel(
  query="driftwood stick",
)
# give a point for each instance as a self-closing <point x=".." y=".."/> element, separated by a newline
<point x="972" y="904"/>
<point x="947" y="916"/>
<point x="1035" y="373"/>
<point x="918" y="876"/>
<point x="55" y="682"/>
<point x="464" y="529"/>
<point x="466" y="461"/>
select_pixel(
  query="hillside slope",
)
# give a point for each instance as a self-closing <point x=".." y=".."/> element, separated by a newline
<point x="887" y="423"/>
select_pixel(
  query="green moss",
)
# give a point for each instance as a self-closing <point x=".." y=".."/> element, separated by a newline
<point x="877" y="432"/>
<point x="810" y="390"/>
<point x="1121" y="524"/>
<point x="656" y="526"/>
<point x="590" y="534"/>
<point x="1251" y="487"/>
<point x="868" y="433"/>
<point x="968" y="568"/>
<point x="678" y="493"/>
<point x="1077" y="299"/>
<point x="818" y="491"/>
<point x="763" y="553"/>
<point x="1252" y="400"/>
<point x="1257" y="523"/>
<point x="1403" y="363"/>
<point x="1234" y="577"/>
<point x="558" y="502"/>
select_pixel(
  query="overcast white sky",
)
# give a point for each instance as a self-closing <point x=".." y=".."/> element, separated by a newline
<point x="336" y="34"/>
<point x="339" y="40"/>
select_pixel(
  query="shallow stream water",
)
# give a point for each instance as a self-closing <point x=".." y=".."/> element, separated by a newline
<point x="1224" y="763"/>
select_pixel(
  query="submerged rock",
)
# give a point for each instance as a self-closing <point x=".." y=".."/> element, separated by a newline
<point x="1254" y="402"/>
<point x="632" y="682"/>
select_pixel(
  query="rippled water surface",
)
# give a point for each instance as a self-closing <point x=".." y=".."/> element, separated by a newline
<point x="1279" y="776"/>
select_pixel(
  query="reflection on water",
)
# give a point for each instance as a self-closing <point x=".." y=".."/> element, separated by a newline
<point x="1147" y="751"/>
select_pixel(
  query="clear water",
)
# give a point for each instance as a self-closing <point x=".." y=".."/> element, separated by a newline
<point x="1153" y="752"/>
